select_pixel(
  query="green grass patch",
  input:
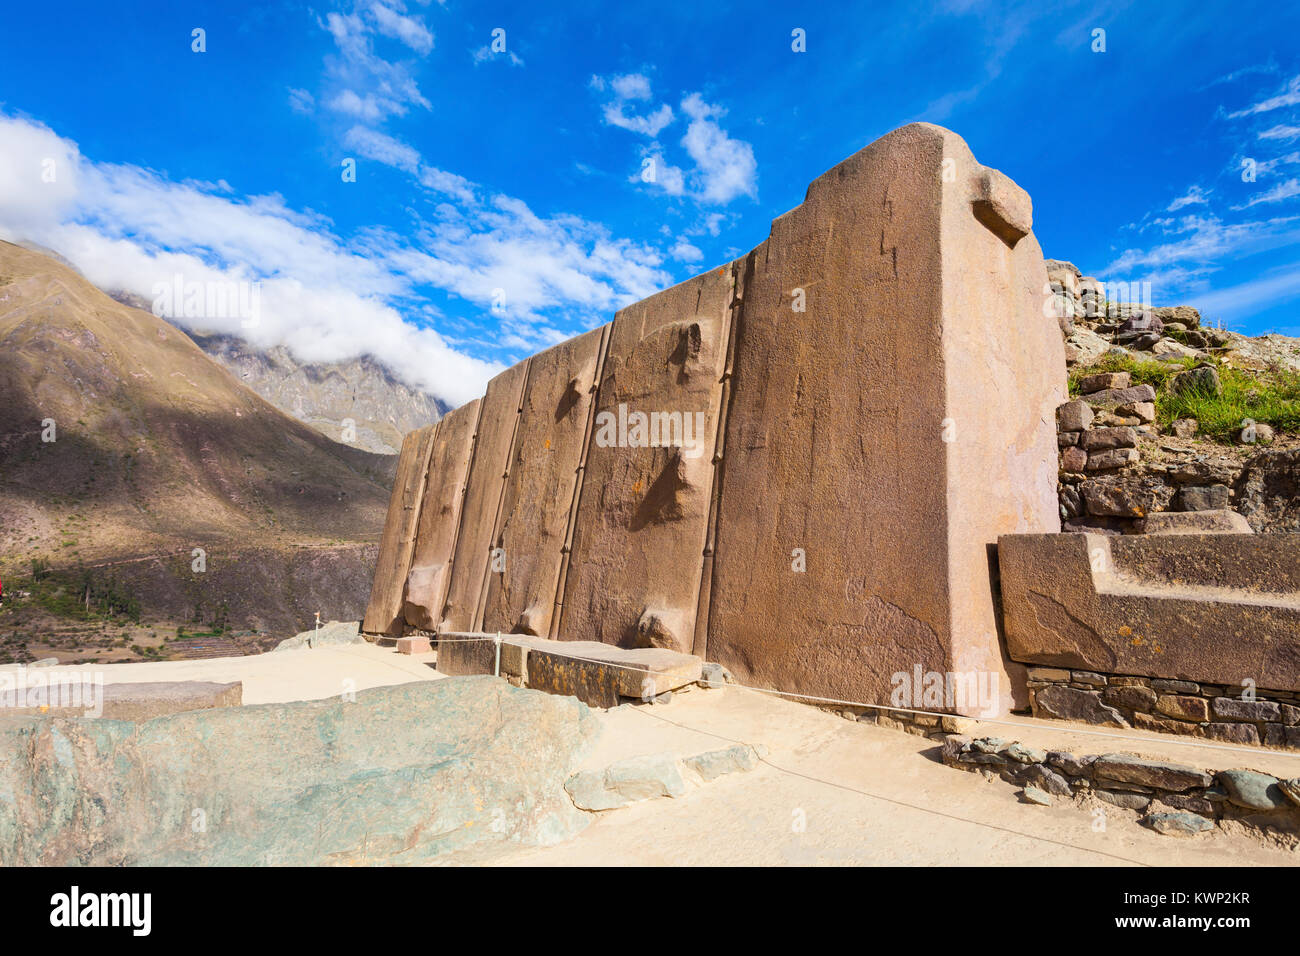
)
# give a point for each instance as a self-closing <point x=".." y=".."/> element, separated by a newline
<point x="1271" y="397"/>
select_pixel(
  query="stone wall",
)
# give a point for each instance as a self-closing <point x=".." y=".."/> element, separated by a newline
<point x="1117" y="464"/>
<point x="1178" y="799"/>
<point x="1118" y="467"/>
<point x="832" y="519"/>
<point x="1159" y="632"/>
<point x="1212" y="711"/>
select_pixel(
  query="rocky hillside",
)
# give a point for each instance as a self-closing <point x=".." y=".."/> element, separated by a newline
<point x="359" y="402"/>
<point x="330" y="397"/>
<point x="1173" y="426"/>
<point x="120" y="440"/>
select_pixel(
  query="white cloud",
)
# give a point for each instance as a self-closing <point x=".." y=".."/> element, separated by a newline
<point x="485" y="53"/>
<point x="560" y="263"/>
<point x="301" y="101"/>
<point x="382" y="148"/>
<point x="366" y="107"/>
<point x="444" y="182"/>
<point x="659" y="173"/>
<point x="368" y="85"/>
<point x="1195" y="195"/>
<point x="1203" y="242"/>
<point x="1289" y="97"/>
<point x="631" y="86"/>
<point x="628" y="88"/>
<point x="725" y="166"/>
<point x="683" y="251"/>
<point x="324" y="296"/>
<point x="1240" y="300"/>
<point x="1281" y="132"/>
<point x="410" y="30"/>
<point x="1268" y="68"/>
<point x="1283" y="190"/>
<point x="1271" y="164"/>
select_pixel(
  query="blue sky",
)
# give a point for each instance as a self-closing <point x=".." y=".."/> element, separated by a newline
<point x="499" y="203"/>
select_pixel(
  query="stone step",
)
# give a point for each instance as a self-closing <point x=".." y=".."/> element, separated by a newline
<point x="600" y="675"/>
<point x="139" y="701"/>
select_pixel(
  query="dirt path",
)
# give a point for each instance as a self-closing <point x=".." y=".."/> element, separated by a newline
<point x="833" y="792"/>
<point x="829" y="791"/>
<point x="285" y="675"/>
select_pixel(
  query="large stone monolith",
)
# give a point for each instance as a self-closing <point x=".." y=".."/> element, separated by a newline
<point x="643" y="514"/>
<point x="487" y="478"/>
<point x="880" y="440"/>
<point x="397" y="543"/>
<point x="534" y="524"/>
<point x="435" y="537"/>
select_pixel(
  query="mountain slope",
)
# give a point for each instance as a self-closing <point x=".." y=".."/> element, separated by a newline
<point x="326" y="395"/>
<point x="156" y="448"/>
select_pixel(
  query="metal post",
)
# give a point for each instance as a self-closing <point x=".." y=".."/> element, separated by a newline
<point x="496" y="668"/>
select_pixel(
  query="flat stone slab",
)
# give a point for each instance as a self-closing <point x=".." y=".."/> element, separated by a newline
<point x="331" y="634"/>
<point x="599" y="675"/>
<point x="137" y="701"/>
<point x="649" y="776"/>
<point x="393" y="775"/>
<point x="1149" y="773"/>
<point x="413" y="645"/>
<point x="1220" y="521"/>
<point x="1208" y="608"/>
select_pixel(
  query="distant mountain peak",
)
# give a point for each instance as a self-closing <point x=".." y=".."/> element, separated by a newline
<point x="358" y="402"/>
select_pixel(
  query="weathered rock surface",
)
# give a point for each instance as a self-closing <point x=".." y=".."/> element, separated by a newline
<point x="144" y="701"/>
<point x="1069" y="703"/>
<point x="435" y="536"/>
<point x="384" y="613"/>
<point x="1178" y="824"/>
<point x="654" y="775"/>
<point x="1203" y="380"/>
<point x="627" y="781"/>
<point x="331" y="633"/>
<point x="402" y="775"/>
<point x="752" y="552"/>
<point x="490" y="467"/>
<point x="882" y="581"/>
<point x="598" y="674"/>
<point x="1215" y="608"/>
<point x="643" y="517"/>
<point x="1121" y="396"/>
<point x="1074" y="416"/>
<point x="1268" y="491"/>
<point x="1196" y="522"/>
<point x="539" y="493"/>
<point x="1151" y="773"/>
<point x="1254" y="791"/>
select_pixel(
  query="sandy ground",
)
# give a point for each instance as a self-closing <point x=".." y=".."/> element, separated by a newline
<point x="835" y="792"/>
<point x="829" y="791"/>
<point x="283" y="676"/>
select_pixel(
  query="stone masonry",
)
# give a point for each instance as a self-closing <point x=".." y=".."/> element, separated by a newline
<point x="831" y="518"/>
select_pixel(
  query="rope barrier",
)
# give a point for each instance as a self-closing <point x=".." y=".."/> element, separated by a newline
<point x="1227" y="748"/>
<point x="900" y="803"/>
